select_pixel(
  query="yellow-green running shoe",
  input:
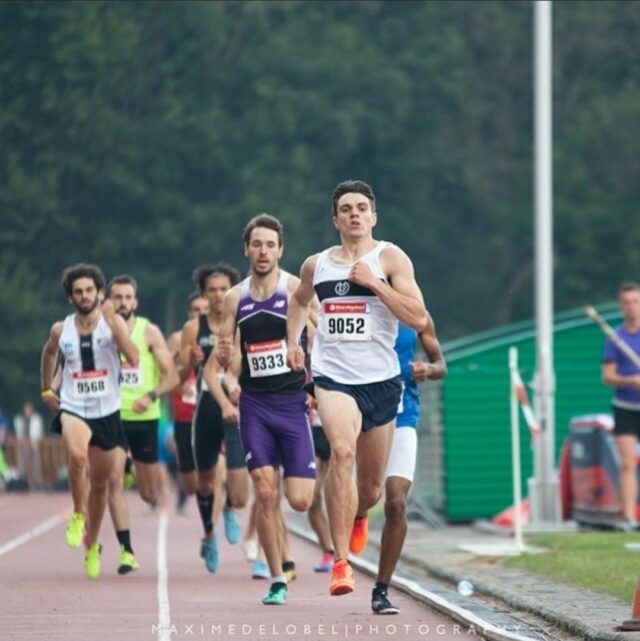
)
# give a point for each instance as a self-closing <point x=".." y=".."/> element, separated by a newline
<point x="92" y="561"/>
<point x="75" y="530"/>
<point x="128" y="562"/>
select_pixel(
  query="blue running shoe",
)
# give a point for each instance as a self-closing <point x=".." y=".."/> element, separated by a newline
<point x="209" y="552"/>
<point x="260" y="570"/>
<point x="231" y="526"/>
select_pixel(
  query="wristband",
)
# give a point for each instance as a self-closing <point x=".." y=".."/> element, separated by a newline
<point x="153" y="395"/>
<point x="47" y="393"/>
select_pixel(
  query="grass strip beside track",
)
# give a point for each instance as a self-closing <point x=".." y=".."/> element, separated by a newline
<point x="594" y="560"/>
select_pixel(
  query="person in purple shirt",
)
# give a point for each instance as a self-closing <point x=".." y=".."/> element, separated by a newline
<point x="274" y="424"/>
<point x="621" y="373"/>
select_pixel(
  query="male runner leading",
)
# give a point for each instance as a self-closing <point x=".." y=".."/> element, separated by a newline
<point x="365" y="286"/>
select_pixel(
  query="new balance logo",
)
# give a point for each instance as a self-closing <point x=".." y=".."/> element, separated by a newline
<point x="247" y="307"/>
<point x="278" y="304"/>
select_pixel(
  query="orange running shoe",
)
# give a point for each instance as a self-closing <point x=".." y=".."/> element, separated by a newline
<point x="342" y="581"/>
<point x="359" y="535"/>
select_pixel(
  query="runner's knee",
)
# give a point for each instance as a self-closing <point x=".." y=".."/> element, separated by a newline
<point x="343" y="454"/>
<point x="395" y="508"/>
<point x="77" y="459"/>
<point x="148" y="494"/>
<point x="300" y="501"/>
<point x="267" y="496"/>
<point x="369" y="494"/>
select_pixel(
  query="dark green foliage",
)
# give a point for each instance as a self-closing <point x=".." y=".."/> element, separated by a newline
<point x="143" y="135"/>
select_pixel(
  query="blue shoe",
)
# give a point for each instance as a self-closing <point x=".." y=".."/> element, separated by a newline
<point x="231" y="526"/>
<point x="209" y="552"/>
<point x="259" y="570"/>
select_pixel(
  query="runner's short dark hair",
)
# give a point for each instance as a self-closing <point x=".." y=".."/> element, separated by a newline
<point x="204" y="272"/>
<point x="349" y="187"/>
<point x="628" y="286"/>
<point x="123" y="279"/>
<point x="267" y="221"/>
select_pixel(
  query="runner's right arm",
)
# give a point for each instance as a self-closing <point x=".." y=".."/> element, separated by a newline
<point x="225" y="347"/>
<point x="48" y="362"/>
<point x="190" y="354"/>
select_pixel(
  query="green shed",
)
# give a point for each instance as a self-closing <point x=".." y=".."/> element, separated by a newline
<point x="465" y="434"/>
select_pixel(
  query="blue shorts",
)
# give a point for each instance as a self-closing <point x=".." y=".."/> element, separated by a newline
<point x="275" y="430"/>
<point x="377" y="402"/>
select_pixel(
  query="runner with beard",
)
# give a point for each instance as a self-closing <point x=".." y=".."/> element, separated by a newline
<point x="88" y="406"/>
<point x="273" y="411"/>
<point x="141" y="387"/>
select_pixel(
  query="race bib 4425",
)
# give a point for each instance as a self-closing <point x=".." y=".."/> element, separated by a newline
<point x="130" y="376"/>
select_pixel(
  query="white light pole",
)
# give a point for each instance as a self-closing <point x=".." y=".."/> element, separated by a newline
<point x="543" y="488"/>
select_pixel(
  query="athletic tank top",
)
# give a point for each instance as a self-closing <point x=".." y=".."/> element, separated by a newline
<point x="263" y="341"/>
<point x="409" y="408"/>
<point x="91" y="370"/>
<point x="137" y="381"/>
<point x="356" y="331"/>
<point x="207" y="340"/>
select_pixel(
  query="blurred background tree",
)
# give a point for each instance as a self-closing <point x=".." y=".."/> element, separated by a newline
<point x="142" y="137"/>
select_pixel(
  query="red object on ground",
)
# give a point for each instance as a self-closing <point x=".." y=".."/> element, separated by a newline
<point x="506" y="518"/>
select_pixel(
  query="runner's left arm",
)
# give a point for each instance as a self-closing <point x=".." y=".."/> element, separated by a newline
<point x="401" y="294"/>
<point x="169" y="378"/>
<point x="120" y="333"/>
<point x="436" y="367"/>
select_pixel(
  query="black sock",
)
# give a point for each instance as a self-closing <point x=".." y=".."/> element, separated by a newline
<point x="383" y="587"/>
<point x="205" y="505"/>
<point x="288" y="565"/>
<point x="124" y="539"/>
<point x="128" y="464"/>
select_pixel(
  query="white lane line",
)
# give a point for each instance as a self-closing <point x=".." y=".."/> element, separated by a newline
<point x="441" y="604"/>
<point x="164" y="613"/>
<point x="437" y="602"/>
<point x="39" y="529"/>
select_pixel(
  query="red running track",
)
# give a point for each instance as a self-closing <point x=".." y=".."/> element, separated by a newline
<point x="44" y="594"/>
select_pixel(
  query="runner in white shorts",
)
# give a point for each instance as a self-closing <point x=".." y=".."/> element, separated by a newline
<point x="402" y="460"/>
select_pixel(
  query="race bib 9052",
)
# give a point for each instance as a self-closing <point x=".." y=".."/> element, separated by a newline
<point x="348" y="321"/>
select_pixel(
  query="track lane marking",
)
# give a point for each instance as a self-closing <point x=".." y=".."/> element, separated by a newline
<point x="164" y="611"/>
<point x="34" y="532"/>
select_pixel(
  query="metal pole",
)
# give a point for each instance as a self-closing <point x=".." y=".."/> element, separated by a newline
<point x="544" y="488"/>
<point x="515" y="452"/>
